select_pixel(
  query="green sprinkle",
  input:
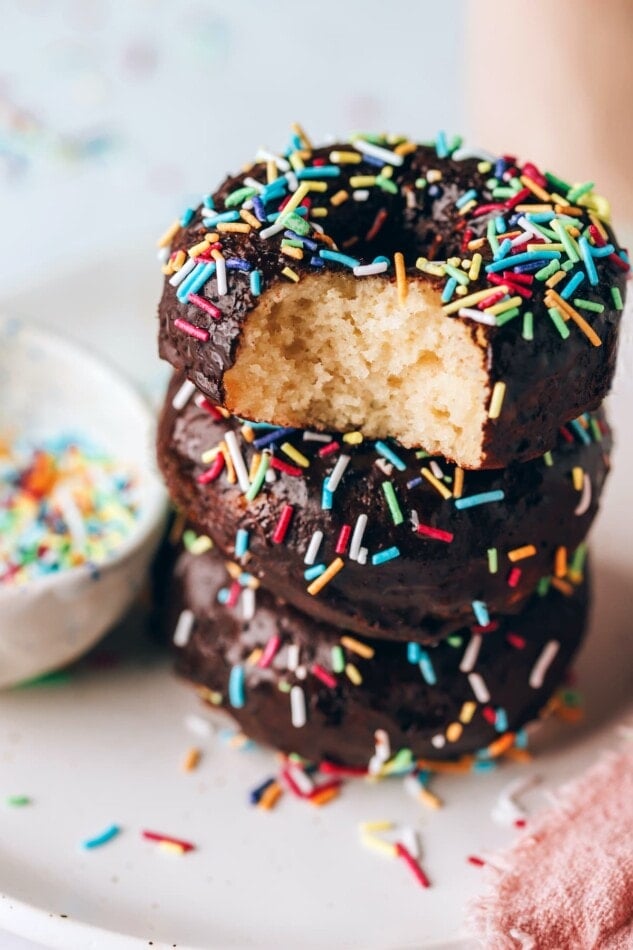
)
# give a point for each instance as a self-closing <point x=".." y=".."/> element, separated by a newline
<point x="260" y="475"/>
<point x="420" y="183"/>
<point x="239" y="196"/>
<point x="493" y="560"/>
<point x="575" y="193"/>
<point x="588" y="305"/>
<point x="595" y="430"/>
<point x="458" y="274"/>
<point x="392" y="501"/>
<point x="567" y="266"/>
<point x="578" y="559"/>
<point x="547" y="271"/>
<point x="18" y="801"/>
<point x="548" y="458"/>
<point x="567" y="242"/>
<point x="455" y="642"/>
<point x="558" y="322"/>
<point x="543" y="586"/>
<point x="283" y="686"/>
<point x="617" y="298"/>
<point x="386" y="184"/>
<point x="558" y="183"/>
<point x="528" y="325"/>
<point x="58" y="678"/>
<point x="503" y="318"/>
<point x="421" y="454"/>
<point x="291" y="242"/>
<point x="338" y="659"/>
<point x="295" y="223"/>
<point x="491" y="234"/>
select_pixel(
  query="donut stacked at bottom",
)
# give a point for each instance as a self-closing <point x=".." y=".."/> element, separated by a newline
<point x="447" y="646"/>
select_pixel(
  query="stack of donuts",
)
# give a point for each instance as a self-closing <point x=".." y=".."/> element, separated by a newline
<point x="384" y="431"/>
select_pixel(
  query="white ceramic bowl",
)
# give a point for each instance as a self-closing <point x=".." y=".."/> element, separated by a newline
<point x="48" y="386"/>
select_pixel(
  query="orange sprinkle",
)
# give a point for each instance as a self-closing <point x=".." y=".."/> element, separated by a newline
<point x="401" y="276"/>
<point x="560" y="561"/>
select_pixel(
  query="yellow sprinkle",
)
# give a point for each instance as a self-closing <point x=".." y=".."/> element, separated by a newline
<point x="433" y="175"/>
<point x="234" y="227"/>
<point x="599" y="225"/>
<point x="483" y="167"/>
<point x="233" y="570"/>
<point x="458" y="482"/>
<point x="198" y="249"/>
<point x="248" y="433"/>
<point x="429" y="799"/>
<point x="270" y="797"/>
<point x="560" y="562"/>
<point x="172" y="846"/>
<point x="436" y="483"/>
<point x="250" y="219"/>
<point x="562" y="202"/>
<point x="209" y="695"/>
<point x="362" y="181"/>
<point x="436" y="270"/>
<point x="503" y="306"/>
<point x="468" y="207"/>
<point x="228" y="461"/>
<point x="533" y="209"/>
<point x="179" y="259"/>
<point x="331" y="571"/>
<point x="210" y="454"/>
<point x="454" y="731"/>
<point x="339" y="197"/>
<point x="546" y="247"/>
<point x="368" y="827"/>
<point x="577" y="475"/>
<point x="345" y="158"/>
<point x="496" y="401"/>
<point x="556" y="278"/>
<point x="363" y="649"/>
<point x="288" y="449"/>
<point x="353" y="673"/>
<point x="376" y="844"/>
<point x="271" y="171"/>
<point x="170" y="233"/>
<point x="201" y="545"/>
<point x="297" y="198"/>
<point x="386" y="171"/>
<point x="401" y="276"/>
<point x="252" y="471"/>
<point x="290" y="274"/>
<point x="212" y="237"/>
<point x="519" y="554"/>
<point x="191" y="759"/>
<point x="534" y="188"/>
<point x="167" y="269"/>
<point x="570" y="313"/>
<point x="319" y="186"/>
<point x="476" y="244"/>
<point x="254" y="656"/>
<point x="296" y="161"/>
<point x="471" y="299"/>
<point x="300" y="131"/>
<point x="475" y="267"/>
<point x="405" y="148"/>
<point x="318" y="212"/>
<point x="295" y="252"/>
<point x="467" y="712"/>
<point x="353" y="438"/>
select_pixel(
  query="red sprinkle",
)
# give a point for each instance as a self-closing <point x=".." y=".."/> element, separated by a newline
<point x="234" y="594"/>
<point x="566" y="434"/>
<point x="205" y="305"/>
<point x="406" y="855"/>
<point x="343" y="538"/>
<point x="531" y="171"/>
<point x="514" y="577"/>
<point x="489" y="628"/>
<point x="492" y="299"/>
<point x="323" y="675"/>
<point x="489" y="715"/>
<point x="282" y="525"/>
<point x="270" y="650"/>
<point x="212" y="473"/>
<point x="486" y="209"/>
<point x="282" y="466"/>
<point x="435" y="533"/>
<point x="203" y="403"/>
<point x="167" y="839"/>
<point x="516" y="641"/>
<point x="190" y="330"/>
<point x="597" y="237"/>
<point x="379" y="220"/>
<point x="473" y="859"/>
<point x="328" y="449"/>
<point x="332" y="768"/>
<point x="518" y="198"/>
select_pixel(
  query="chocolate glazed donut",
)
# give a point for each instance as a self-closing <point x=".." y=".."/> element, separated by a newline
<point x="308" y="688"/>
<point x="423" y="547"/>
<point x="457" y="302"/>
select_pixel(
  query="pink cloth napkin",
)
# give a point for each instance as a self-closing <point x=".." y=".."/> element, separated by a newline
<point x="567" y="882"/>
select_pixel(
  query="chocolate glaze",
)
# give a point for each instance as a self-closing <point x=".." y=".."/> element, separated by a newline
<point x="393" y="695"/>
<point x="549" y="380"/>
<point x="427" y="591"/>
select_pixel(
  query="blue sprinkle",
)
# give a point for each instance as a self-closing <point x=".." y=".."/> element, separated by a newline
<point x="483" y="498"/>
<point x="327" y="497"/>
<point x="500" y="167"/>
<point x="244" y="579"/>
<point x="415" y="482"/>
<point x="258" y="208"/>
<point x="383" y="449"/>
<point x="434" y="191"/>
<point x="528" y="268"/>
<point x="529" y="257"/>
<point x="185" y="288"/>
<point x="484" y="765"/>
<point x="372" y="160"/>
<point x="311" y="245"/>
<point x="208" y="202"/>
<point x="449" y="290"/>
<point x="237" y="263"/>
<point x="256" y="283"/>
<point x="424" y="777"/>
<point x="102" y="838"/>
<point x="344" y="259"/>
<point x="521" y="739"/>
<point x="501" y="720"/>
<point x="223" y="595"/>
<point x="585" y="250"/>
<point x="500" y="224"/>
<point x="321" y="171"/>
<point x="441" y="145"/>
<point x="572" y="284"/>
<point x="241" y="542"/>
<point x="256" y="793"/>
<point x="426" y="668"/>
<point x="481" y="613"/>
<point x="317" y="262"/>
<point x="186" y="217"/>
<point x="504" y="249"/>
<point x="313" y="572"/>
<point x="582" y="433"/>
<point x="540" y="217"/>
<point x="387" y="555"/>
<point x="466" y="197"/>
<point x="237" y="696"/>
<point x="381" y="259"/>
<point x="275" y="436"/>
<point x="413" y="652"/>
<point x="209" y="222"/>
<point x="601" y="251"/>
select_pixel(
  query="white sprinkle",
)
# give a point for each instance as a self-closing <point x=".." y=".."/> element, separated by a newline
<point x="63" y="498"/>
<point x="361" y="194"/>
<point x="435" y="468"/>
<point x="293" y="656"/>
<point x="297" y="707"/>
<point x="263" y="155"/>
<point x="410" y="198"/>
<point x="478" y="687"/>
<point x="362" y="556"/>
<point x="415" y="521"/>
<point x="248" y="603"/>
<point x="470" y="654"/>
<point x="488" y="318"/>
<point x="411" y="840"/>
<point x="301" y="672"/>
<point x="412" y="786"/>
<point x="316" y="437"/>
<point x="303" y="781"/>
<point x="238" y="461"/>
<point x="180" y="275"/>
<point x="199" y="726"/>
<point x="313" y="547"/>
<point x="220" y="273"/>
<point x="585" y="498"/>
<point x="357" y="537"/>
<point x="271" y="476"/>
<point x="368" y="148"/>
<point x="183" y="395"/>
<point x="542" y="665"/>
<point x="438" y="741"/>
<point x="528" y="228"/>
<point x="274" y="228"/>
<point x="385" y="467"/>
<point x="337" y="472"/>
<point x="184" y="628"/>
<point x="253" y="183"/>
<point x="293" y="181"/>
<point x="383" y="745"/>
<point x="162" y="255"/>
<point x="526" y="941"/>
<point x="461" y="154"/>
<point x="368" y="270"/>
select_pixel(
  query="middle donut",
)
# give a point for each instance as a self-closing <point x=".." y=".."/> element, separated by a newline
<point x="378" y="539"/>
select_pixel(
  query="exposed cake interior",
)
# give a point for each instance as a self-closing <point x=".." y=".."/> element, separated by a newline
<point x="343" y="353"/>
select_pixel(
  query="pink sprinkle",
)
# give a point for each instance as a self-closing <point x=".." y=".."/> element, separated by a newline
<point x="212" y="473"/>
<point x="205" y="305"/>
<point x="323" y="675"/>
<point x="343" y="538"/>
<point x="282" y="525"/>
<point x="282" y="466"/>
<point x="270" y="650"/>
<point x="190" y="330"/>
<point x="412" y="864"/>
<point x="520" y="823"/>
<point x="435" y="533"/>
<point x="514" y="577"/>
<point x="473" y="859"/>
<point x="328" y="449"/>
<point x="234" y="594"/>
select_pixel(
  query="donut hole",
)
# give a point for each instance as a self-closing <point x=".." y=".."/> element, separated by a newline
<point x="406" y="369"/>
